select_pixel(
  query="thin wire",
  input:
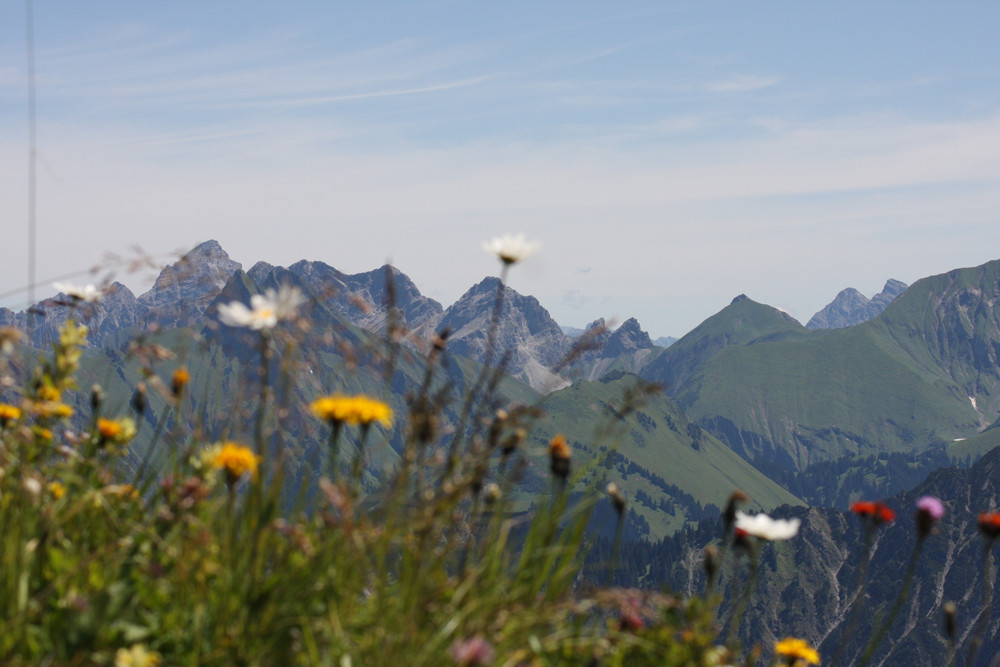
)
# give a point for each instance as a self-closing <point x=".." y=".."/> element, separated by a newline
<point x="32" y="153"/>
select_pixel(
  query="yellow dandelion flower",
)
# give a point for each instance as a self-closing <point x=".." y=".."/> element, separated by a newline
<point x="795" y="650"/>
<point x="57" y="490"/>
<point x="358" y="409"/>
<point x="108" y="428"/>
<point x="236" y="460"/>
<point x="9" y="413"/>
<point x="116" y="430"/>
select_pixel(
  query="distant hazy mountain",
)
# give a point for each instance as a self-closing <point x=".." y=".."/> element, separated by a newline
<point x="664" y="341"/>
<point x="851" y="307"/>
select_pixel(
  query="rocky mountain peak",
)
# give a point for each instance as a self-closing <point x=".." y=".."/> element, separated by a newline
<point x="526" y="331"/>
<point x="851" y="307"/>
<point x="184" y="289"/>
<point x="629" y="337"/>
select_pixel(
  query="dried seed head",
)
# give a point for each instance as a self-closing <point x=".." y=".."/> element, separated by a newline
<point x="950" y="619"/>
<point x="560" y="454"/>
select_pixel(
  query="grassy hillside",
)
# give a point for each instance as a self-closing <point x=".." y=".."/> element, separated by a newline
<point x="920" y="375"/>
<point x="669" y="467"/>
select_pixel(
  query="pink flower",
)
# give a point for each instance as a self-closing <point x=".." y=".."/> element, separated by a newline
<point x="474" y="651"/>
<point x="931" y="506"/>
<point x="929" y="511"/>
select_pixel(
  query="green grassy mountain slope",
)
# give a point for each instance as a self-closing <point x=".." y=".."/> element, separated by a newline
<point x="672" y="470"/>
<point x="918" y="376"/>
<point x="740" y="323"/>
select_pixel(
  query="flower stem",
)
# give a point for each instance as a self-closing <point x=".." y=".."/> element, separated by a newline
<point x="856" y="605"/>
<point x="883" y="628"/>
<point x="334" y="462"/>
<point x="984" y="617"/>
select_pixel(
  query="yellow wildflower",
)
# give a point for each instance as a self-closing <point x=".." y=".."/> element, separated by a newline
<point x="236" y="460"/>
<point x="116" y="430"/>
<point x="47" y="409"/>
<point x="358" y="409"/>
<point x="137" y="656"/>
<point x="57" y="490"/>
<point x="796" y="650"/>
<point x="122" y="491"/>
<point x="48" y="393"/>
<point x="9" y="413"/>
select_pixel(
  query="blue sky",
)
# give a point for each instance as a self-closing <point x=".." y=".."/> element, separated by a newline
<point x="667" y="155"/>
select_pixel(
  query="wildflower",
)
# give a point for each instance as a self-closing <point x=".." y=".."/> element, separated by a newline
<point x="137" y="656"/>
<point x="989" y="525"/>
<point x="121" y="491"/>
<point x="355" y="410"/>
<point x="796" y="651"/>
<point x="118" y="431"/>
<point x="47" y="392"/>
<point x="236" y="460"/>
<point x="474" y="651"/>
<point x="492" y="492"/>
<point x="56" y="489"/>
<point x="265" y="311"/>
<point x="179" y="380"/>
<point x="766" y="528"/>
<point x="560" y="454"/>
<point x="9" y="413"/>
<point x="9" y="336"/>
<point x="86" y="293"/>
<point x="511" y="248"/>
<point x="929" y="511"/>
<point x="49" y="409"/>
<point x="31" y="487"/>
<point x="630" y="620"/>
<point x="616" y="496"/>
<point x="879" y="512"/>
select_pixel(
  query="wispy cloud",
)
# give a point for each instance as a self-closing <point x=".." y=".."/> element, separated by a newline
<point x="742" y="83"/>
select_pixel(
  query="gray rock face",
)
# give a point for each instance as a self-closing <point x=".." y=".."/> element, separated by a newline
<point x="629" y="337"/>
<point x="526" y="331"/>
<point x="851" y="307"/>
<point x="184" y="289"/>
<point x="365" y="298"/>
<point x="117" y="309"/>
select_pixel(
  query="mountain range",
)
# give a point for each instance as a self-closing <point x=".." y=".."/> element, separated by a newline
<point x="918" y="379"/>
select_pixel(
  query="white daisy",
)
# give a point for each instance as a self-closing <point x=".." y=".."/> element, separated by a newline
<point x="511" y="248"/>
<point x="265" y="310"/>
<point x="766" y="528"/>
<point x="87" y="293"/>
